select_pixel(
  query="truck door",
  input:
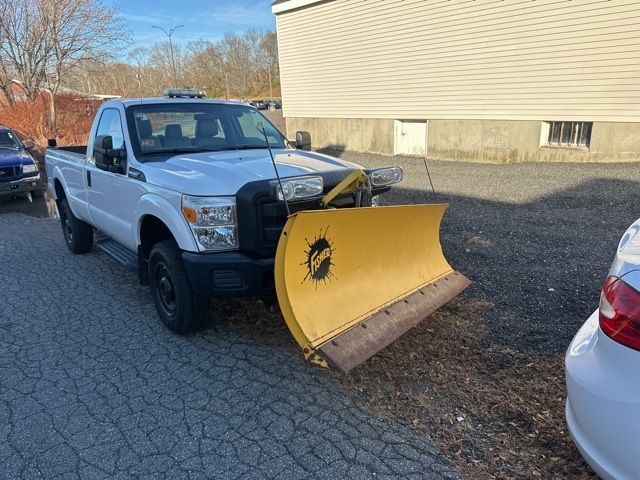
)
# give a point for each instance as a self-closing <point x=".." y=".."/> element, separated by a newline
<point x="111" y="195"/>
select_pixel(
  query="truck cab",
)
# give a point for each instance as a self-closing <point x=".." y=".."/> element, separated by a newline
<point x="18" y="170"/>
<point x="192" y="194"/>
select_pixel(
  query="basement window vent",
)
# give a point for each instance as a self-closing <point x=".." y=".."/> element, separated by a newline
<point x="566" y="134"/>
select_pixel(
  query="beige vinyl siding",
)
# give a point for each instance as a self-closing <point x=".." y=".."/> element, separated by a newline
<point x="465" y="59"/>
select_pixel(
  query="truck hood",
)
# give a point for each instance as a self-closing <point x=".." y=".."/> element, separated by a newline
<point x="224" y="173"/>
<point x="14" y="158"/>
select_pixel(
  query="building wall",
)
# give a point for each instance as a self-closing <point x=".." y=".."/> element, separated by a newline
<point x="519" y="141"/>
<point x="359" y="134"/>
<point x="467" y="59"/>
<point x="474" y="140"/>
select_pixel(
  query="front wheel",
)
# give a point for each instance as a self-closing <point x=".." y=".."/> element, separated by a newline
<point x="78" y="235"/>
<point x="180" y="309"/>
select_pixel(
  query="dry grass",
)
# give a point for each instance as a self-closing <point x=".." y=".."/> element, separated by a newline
<point x="511" y="403"/>
<point x="496" y="412"/>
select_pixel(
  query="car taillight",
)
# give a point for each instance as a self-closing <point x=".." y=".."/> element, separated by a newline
<point x="620" y="312"/>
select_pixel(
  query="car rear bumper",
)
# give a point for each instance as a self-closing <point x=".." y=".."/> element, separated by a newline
<point x="230" y="274"/>
<point x="603" y="401"/>
<point x="20" y="186"/>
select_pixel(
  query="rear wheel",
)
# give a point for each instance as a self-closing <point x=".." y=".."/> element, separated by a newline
<point x="78" y="235"/>
<point x="180" y="309"/>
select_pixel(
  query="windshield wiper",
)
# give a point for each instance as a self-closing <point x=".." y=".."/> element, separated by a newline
<point x="250" y="147"/>
<point x="182" y="150"/>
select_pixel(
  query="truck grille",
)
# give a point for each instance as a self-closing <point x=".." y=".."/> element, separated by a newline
<point x="262" y="218"/>
<point x="274" y="216"/>
<point x="8" y="173"/>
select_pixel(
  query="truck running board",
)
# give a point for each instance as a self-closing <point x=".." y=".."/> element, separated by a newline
<point x="119" y="253"/>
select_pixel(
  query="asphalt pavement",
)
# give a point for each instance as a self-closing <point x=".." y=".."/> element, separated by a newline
<point x="93" y="386"/>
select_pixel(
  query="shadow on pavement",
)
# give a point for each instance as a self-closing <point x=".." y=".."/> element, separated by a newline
<point x="542" y="262"/>
<point x="24" y="203"/>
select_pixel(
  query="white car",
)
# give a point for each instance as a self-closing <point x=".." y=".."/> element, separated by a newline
<point x="603" y="371"/>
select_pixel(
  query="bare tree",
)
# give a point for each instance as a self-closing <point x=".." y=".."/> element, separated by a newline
<point x="25" y="49"/>
<point x="164" y="56"/>
<point x="41" y="41"/>
<point x="208" y="68"/>
<point x="50" y="44"/>
<point x="139" y="59"/>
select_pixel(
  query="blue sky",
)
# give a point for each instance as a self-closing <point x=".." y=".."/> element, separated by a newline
<point x="201" y="18"/>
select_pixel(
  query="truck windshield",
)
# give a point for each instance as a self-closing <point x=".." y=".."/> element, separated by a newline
<point x="166" y="128"/>
<point x="9" y="140"/>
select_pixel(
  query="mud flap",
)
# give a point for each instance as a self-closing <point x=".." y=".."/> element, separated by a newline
<point x="351" y="281"/>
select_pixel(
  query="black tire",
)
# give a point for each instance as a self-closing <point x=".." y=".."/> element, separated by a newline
<point x="180" y="309"/>
<point x="78" y="235"/>
<point x="37" y="193"/>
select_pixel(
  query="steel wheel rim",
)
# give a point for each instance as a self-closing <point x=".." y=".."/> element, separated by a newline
<point x="165" y="289"/>
<point x="66" y="226"/>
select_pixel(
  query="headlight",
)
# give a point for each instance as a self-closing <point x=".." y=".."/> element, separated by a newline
<point x="29" y="168"/>
<point x="297" y="188"/>
<point x="213" y="221"/>
<point x="385" y="176"/>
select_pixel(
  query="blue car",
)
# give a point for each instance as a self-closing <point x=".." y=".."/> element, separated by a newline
<point x="18" y="170"/>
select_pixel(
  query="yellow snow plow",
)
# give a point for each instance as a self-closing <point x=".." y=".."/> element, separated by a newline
<point x="350" y="281"/>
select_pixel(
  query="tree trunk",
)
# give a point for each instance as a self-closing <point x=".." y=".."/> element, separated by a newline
<point x="52" y="113"/>
<point x="7" y="96"/>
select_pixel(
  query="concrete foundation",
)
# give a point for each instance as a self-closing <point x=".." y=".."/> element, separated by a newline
<point x="360" y="134"/>
<point x="496" y="141"/>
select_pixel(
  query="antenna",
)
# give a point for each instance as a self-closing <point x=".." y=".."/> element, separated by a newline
<point x="426" y="142"/>
<point x="273" y="161"/>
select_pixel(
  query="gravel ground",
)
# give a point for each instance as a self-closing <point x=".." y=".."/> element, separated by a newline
<point x="93" y="386"/>
<point x="536" y="239"/>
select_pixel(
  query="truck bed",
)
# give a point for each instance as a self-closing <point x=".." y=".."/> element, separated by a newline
<point x="75" y="155"/>
<point x="80" y="149"/>
<point x="69" y="159"/>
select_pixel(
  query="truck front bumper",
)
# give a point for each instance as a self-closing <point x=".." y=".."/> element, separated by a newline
<point x="229" y="274"/>
<point x="20" y="186"/>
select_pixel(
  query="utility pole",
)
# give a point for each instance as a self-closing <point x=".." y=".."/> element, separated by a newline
<point x="271" y="105"/>
<point x="173" y="62"/>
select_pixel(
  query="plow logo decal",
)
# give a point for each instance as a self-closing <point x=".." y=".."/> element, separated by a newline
<point x="319" y="256"/>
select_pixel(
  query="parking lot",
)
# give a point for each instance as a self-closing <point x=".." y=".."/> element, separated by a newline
<point x="94" y="387"/>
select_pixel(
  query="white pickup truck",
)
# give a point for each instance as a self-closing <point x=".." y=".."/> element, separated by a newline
<point x="184" y="192"/>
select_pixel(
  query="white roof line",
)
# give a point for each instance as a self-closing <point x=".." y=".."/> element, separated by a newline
<point x="291" y="4"/>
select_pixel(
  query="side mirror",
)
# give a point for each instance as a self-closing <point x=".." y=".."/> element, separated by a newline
<point x="107" y="157"/>
<point x="28" y="145"/>
<point x="303" y="140"/>
<point x="52" y="143"/>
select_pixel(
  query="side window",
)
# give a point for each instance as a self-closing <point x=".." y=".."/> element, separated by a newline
<point x="110" y="124"/>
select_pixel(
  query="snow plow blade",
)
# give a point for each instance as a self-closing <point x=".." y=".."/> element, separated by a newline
<point x="351" y="281"/>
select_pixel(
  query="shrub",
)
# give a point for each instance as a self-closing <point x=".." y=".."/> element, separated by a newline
<point x="32" y="120"/>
